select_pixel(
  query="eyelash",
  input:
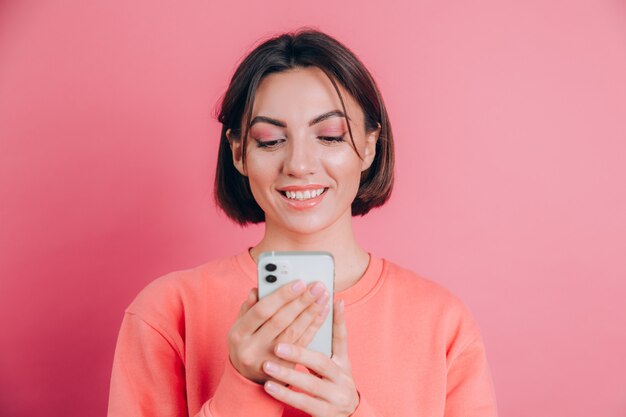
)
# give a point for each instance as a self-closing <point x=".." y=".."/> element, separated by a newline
<point x="273" y="143"/>
<point x="332" y="138"/>
<point x="268" y="144"/>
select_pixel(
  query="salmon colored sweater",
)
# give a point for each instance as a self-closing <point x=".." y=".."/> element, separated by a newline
<point x="414" y="349"/>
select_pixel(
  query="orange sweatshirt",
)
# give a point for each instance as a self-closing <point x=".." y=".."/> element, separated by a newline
<point x="414" y="349"/>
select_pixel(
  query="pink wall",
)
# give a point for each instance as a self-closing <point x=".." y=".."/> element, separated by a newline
<point x="510" y="119"/>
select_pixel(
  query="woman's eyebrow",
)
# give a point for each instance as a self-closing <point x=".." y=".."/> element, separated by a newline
<point x="280" y="123"/>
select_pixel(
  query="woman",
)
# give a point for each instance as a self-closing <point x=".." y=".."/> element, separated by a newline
<point x="306" y="144"/>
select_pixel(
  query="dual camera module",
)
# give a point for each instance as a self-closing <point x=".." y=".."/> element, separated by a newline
<point x="270" y="278"/>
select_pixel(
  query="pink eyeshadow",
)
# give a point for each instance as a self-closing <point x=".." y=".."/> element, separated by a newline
<point x="331" y="132"/>
<point x="264" y="134"/>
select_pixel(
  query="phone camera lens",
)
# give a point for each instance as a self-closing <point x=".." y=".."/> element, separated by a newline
<point x="270" y="267"/>
<point x="271" y="278"/>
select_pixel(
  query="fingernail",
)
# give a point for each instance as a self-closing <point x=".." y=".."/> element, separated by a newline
<point x="271" y="367"/>
<point x="340" y="306"/>
<point x="323" y="298"/>
<point x="297" y="286"/>
<point x="317" y="289"/>
<point x="283" y="350"/>
<point x="270" y="387"/>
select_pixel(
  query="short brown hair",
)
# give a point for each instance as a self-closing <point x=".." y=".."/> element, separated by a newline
<point x="302" y="48"/>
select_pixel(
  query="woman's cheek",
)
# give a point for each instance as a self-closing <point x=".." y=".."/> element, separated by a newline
<point x="344" y="158"/>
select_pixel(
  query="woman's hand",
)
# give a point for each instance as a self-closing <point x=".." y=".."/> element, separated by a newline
<point x="292" y="314"/>
<point x="331" y="391"/>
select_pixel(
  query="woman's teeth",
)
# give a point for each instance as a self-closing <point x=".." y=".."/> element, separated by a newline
<point x="303" y="195"/>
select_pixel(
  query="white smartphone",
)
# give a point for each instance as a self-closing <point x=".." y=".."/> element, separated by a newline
<point x="275" y="269"/>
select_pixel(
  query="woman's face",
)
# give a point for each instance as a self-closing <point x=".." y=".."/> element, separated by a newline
<point x="303" y="171"/>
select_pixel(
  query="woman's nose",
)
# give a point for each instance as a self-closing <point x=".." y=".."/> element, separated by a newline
<point x="300" y="159"/>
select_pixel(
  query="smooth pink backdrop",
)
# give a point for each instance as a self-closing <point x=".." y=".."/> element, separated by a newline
<point x="510" y="126"/>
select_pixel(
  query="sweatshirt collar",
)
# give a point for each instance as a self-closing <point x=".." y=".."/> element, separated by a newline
<point x="360" y="290"/>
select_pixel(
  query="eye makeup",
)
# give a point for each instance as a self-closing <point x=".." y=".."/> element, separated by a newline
<point x="267" y="136"/>
<point x="267" y="144"/>
<point x="267" y="133"/>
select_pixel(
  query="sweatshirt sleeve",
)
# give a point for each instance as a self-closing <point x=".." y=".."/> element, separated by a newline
<point x="148" y="379"/>
<point x="470" y="391"/>
<point x="364" y="409"/>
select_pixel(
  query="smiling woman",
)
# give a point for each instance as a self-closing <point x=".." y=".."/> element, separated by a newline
<point x="298" y="149"/>
<point x="306" y="144"/>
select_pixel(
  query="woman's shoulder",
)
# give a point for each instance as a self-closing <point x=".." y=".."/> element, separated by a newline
<point x="424" y="293"/>
<point x="175" y="291"/>
<point x="405" y="279"/>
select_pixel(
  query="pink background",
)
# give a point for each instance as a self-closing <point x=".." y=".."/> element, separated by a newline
<point x="510" y="124"/>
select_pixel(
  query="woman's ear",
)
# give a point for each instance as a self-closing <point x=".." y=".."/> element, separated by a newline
<point x="370" y="148"/>
<point x="236" y="149"/>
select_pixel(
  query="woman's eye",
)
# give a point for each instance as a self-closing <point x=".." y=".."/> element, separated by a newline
<point x="268" y="143"/>
<point x="331" y="138"/>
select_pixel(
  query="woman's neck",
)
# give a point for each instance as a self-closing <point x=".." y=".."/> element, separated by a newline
<point x="351" y="260"/>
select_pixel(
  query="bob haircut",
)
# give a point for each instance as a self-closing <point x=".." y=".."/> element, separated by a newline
<point x="301" y="49"/>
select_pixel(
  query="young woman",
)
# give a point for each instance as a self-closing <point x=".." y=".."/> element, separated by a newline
<point x="306" y="144"/>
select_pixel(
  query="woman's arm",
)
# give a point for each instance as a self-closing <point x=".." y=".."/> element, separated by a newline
<point x="470" y="390"/>
<point x="148" y="379"/>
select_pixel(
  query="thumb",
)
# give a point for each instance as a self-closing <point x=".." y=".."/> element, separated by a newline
<point x="340" y="333"/>
<point x="250" y="300"/>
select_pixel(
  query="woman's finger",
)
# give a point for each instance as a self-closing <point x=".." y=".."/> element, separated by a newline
<point x="305" y="382"/>
<point x="311" y="406"/>
<point x="304" y="323"/>
<point x="287" y="314"/>
<point x="250" y="300"/>
<point x="315" y="361"/>
<point x="340" y="333"/>
<point x="265" y="308"/>
<point x="311" y="331"/>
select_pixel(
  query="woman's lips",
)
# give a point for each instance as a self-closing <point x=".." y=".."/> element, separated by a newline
<point x="303" y="194"/>
<point x="302" y="198"/>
